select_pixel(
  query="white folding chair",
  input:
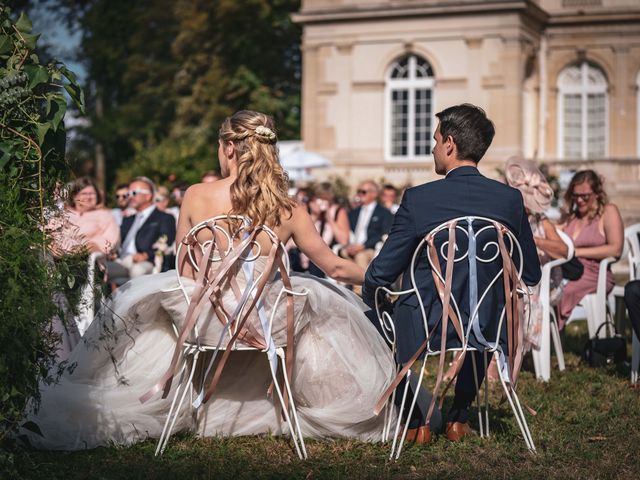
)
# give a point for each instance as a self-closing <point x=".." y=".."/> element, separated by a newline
<point x="542" y="357"/>
<point x="216" y="254"/>
<point x="631" y="235"/>
<point x="501" y="247"/>
<point x="600" y="306"/>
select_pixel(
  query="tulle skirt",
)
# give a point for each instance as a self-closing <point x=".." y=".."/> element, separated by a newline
<point x="341" y="368"/>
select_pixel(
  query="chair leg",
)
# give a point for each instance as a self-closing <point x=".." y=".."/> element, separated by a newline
<point x="294" y="410"/>
<point x="174" y="411"/>
<point x="486" y="395"/>
<point x="512" y="397"/>
<point x="398" y="423"/>
<point x="475" y="379"/>
<point x="388" y="416"/>
<point x="411" y="408"/>
<point x="557" y="344"/>
<point x="294" y="430"/>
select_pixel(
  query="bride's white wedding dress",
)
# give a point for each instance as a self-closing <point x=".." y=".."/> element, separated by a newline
<point x="341" y="368"/>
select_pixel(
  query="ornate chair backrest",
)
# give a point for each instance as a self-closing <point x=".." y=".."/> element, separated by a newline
<point x="474" y="248"/>
<point x="233" y="247"/>
<point x="218" y="249"/>
<point x="486" y="235"/>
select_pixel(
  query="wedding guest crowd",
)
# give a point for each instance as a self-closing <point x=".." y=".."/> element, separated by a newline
<point x="142" y="225"/>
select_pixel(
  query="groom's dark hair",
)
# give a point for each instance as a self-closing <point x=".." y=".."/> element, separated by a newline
<point x="470" y="129"/>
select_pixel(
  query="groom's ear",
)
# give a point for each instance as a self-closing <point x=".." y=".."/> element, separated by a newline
<point x="449" y="145"/>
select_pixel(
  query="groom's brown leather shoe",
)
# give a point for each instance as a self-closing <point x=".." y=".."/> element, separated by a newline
<point x="456" y="431"/>
<point x="421" y="435"/>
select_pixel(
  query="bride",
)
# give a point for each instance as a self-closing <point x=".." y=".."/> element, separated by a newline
<point x="341" y="367"/>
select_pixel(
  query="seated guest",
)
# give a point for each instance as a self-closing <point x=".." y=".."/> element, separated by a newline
<point x="330" y="220"/>
<point x="122" y="204"/>
<point x="369" y="223"/>
<point x="597" y="231"/>
<point x="537" y="195"/>
<point x="140" y="232"/>
<point x="83" y="224"/>
<point x="389" y="198"/>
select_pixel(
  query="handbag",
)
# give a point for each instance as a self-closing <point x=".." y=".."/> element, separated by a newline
<point x="573" y="269"/>
<point x="602" y="352"/>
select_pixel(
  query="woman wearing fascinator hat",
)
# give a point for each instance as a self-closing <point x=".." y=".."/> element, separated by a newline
<point x="537" y="195"/>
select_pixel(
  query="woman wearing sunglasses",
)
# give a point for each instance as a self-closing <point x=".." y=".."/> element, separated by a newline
<point x="597" y="231"/>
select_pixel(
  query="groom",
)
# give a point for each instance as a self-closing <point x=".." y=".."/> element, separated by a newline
<point x="463" y="136"/>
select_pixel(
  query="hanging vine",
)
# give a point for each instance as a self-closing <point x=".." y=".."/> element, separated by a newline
<point x="32" y="169"/>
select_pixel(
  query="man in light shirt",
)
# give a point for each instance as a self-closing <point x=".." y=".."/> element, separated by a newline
<point x="369" y="223"/>
<point x="140" y="232"/>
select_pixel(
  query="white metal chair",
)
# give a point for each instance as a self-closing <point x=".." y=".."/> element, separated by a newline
<point x="502" y="247"/>
<point x="216" y="255"/>
<point x="542" y="357"/>
<point x="631" y="235"/>
<point x="599" y="305"/>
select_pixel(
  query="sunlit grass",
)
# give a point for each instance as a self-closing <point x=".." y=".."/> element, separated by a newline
<point x="587" y="426"/>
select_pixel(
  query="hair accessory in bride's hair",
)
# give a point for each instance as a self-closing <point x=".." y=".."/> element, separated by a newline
<point x="265" y="134"/>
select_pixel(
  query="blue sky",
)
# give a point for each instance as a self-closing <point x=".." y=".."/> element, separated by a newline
<point x="64" y="44"/>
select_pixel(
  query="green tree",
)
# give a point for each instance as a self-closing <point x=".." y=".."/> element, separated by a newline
<point x="164" y="74"/>
<point x="32" y="167"/>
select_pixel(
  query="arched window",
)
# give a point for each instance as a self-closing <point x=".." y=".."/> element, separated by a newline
<point x="409" y="109"/>
<point x="582" y="111"/>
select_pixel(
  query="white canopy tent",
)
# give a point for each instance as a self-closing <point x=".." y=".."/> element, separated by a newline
<point x="298" y="162"/>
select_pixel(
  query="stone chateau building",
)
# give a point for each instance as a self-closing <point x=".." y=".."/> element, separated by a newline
<point x="560" y="79"/>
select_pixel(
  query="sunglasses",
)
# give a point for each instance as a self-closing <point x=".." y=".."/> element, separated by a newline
<point x="581" y="196"/>
<point x="175" y="195"/>
<point x="122" y="196"/>
<point x="362" y="192"/>
<point x="139" y="191"/>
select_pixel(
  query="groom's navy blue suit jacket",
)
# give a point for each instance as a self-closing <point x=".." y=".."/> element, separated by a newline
<point x="463" y="192"/>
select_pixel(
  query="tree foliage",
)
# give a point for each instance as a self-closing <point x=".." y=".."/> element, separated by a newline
<point x="164" y="73"/>
<point x="32" y="166"/>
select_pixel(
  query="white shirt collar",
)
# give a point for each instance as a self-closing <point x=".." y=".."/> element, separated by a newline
<point x="146" y="212"/>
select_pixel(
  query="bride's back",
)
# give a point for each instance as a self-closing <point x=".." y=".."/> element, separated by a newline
<point x="254" y="186"/>
<point x="208" y="200"/>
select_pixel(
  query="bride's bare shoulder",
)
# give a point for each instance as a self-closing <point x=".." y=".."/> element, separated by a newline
<point x="207" y="197"/>
<point x="205" y="192"/>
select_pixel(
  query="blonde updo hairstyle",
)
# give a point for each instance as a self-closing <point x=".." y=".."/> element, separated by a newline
<point x="260" y="191"/>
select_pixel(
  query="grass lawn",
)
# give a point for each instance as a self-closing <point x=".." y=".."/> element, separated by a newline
<point x="587" y="426"/>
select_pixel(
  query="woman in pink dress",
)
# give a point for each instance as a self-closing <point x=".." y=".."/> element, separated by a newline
<point x="597" y="231"/>
<point x="83" y="224"/>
